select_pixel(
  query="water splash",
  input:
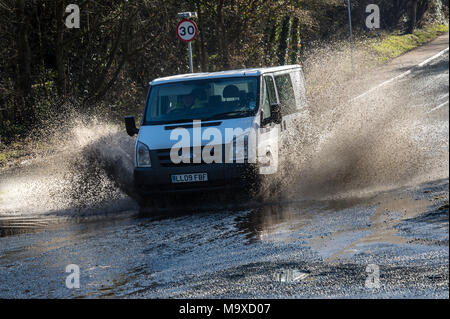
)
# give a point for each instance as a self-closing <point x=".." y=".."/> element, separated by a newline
<point x="88" y="165"/>
<point x="339" y="149"/>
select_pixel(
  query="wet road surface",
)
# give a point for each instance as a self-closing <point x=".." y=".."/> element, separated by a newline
<point x="293" y="249"/>
<point x="248" y="254"/>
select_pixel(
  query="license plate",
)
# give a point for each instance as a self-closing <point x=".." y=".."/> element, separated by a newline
<point x="189" y="178"/>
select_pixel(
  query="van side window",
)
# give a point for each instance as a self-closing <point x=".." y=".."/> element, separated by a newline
<point x="298" y="82"/>
<point x="286" y="94"/>
<point x="270" y="96"/>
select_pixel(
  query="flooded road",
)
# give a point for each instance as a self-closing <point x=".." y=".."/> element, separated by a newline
<point x="384" y="235"/>
<point x="245" y="254"/>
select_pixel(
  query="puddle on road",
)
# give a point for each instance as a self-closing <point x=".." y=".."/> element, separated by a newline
<point x="335" y="228"/>
<point x="21" y="225"/>
<point x="277" y="222"/>
<point x="282" y="221"/>
<point x="16" y="225"/>
<point x="390" y="212"/>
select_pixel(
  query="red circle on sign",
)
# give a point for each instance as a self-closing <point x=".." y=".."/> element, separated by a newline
<point x="179" y="35"/>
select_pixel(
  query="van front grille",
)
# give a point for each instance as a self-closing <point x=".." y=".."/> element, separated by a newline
<point x="165" y="161"/>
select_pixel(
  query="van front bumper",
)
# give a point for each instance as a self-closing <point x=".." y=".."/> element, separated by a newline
<point x="220" y="177"/>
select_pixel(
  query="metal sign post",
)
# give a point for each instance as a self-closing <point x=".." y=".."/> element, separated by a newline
<point x="187" y="31"/>
<point x="191" y="63"/>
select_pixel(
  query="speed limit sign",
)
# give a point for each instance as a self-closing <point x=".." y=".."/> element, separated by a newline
<point x="187" y="30"/>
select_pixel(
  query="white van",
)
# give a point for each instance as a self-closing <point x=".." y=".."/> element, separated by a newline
<point x="214" y="131"/>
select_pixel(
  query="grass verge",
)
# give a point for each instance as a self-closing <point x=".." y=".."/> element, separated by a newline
<point x="392" y="45"/>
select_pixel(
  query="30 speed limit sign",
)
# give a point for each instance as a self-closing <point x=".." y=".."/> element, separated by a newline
<point x="187" y="30"/>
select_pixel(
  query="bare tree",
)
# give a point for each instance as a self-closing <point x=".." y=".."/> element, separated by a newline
<point x="412" y="14"/>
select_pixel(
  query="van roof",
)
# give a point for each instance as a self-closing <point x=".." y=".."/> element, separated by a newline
<point x="222" y="74"/>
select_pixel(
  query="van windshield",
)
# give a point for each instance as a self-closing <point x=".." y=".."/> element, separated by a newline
<point x="210" y="99"/>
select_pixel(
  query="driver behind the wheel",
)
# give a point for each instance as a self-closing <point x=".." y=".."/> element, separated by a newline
<point x="190" y="101"/>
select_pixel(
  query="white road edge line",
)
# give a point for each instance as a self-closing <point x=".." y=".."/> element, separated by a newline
<point x="401" y="75"/>
<point x="437" y="107"/>
<point x="433" y="58"/>
<point x="443" y="97"/>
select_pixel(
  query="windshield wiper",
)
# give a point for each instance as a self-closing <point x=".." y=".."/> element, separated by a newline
<point x="219" y="116"/>
<point x="229" y="114"/>
<point x="170" y="122"/>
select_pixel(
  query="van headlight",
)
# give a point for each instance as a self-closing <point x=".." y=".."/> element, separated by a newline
<point x="143" y="155"/>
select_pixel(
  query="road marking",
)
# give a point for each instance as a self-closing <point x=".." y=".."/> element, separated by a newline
<point x="401" y="75"/>
<point x="421" y="105"/>
<point x="381" y="85"/>
<point x="443" y="96"/>
<point x="433" y="57"/>
<point x="437" y="107"/>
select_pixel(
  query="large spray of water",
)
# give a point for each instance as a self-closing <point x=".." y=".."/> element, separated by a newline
<point x="339" y="149"/>
<point x="347" y="148"/>
<point x="85" y="166"/>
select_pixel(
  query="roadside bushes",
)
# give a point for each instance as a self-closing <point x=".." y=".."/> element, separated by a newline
<point x="106" y="64"/>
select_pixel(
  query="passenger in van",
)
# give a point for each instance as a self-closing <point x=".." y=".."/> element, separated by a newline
<point x="231" y="92"/>
<point x="237" y="99"/>
<point x="232" y="96"/>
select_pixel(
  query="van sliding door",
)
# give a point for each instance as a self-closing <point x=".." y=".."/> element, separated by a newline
<point x="269" y="132"/>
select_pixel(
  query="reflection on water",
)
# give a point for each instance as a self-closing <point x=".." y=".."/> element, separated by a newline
<point x="272" y="221"/>
<point x="279" y="222"/>
<point x="332" y="228"/>
<point x="16" y="225"/>
<point x="21" y="225"/>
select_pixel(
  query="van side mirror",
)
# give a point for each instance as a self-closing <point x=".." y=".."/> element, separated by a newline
<point x="275" y="113"/>
<point x="130" y="125"/>
<point x="263" y="122"/>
